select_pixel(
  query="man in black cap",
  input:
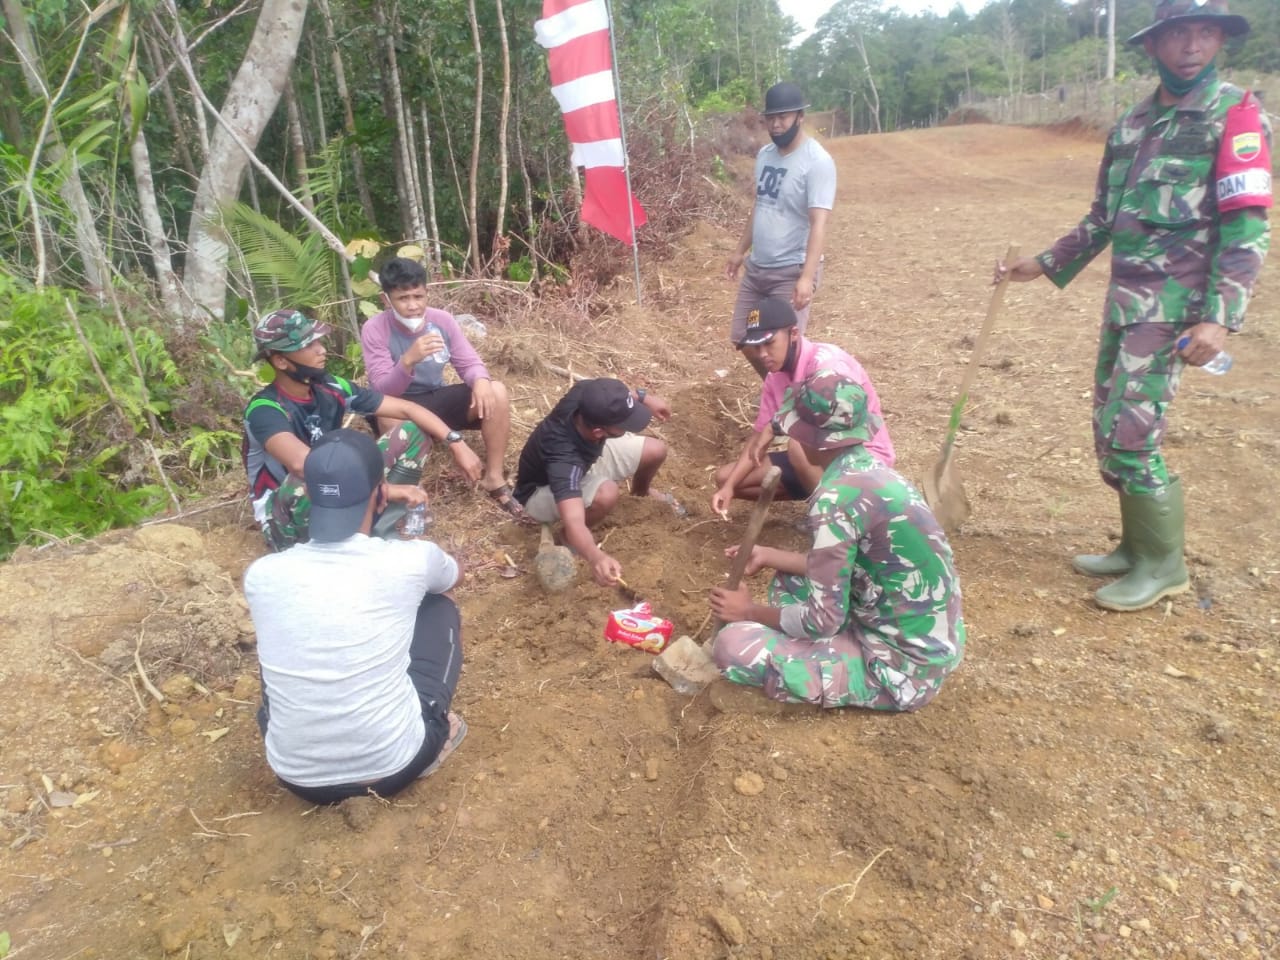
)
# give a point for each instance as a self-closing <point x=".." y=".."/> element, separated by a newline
<point x="795" y="189"/>
<point x="359" y="642"/>
<point x="772" y="340"/>
<point x="573" y="462"/>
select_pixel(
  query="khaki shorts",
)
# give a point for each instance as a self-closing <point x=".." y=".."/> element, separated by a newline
<point x="619" y="462"/>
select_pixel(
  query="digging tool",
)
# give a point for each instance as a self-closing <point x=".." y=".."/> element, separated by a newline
<point x="943" y="485"/>
<point x="685" y="665"/>
<point x="554" y="566"/>
<point x="627" y="591"/>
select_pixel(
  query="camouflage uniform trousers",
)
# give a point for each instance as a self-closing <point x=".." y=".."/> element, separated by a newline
<point x="289" y="507"/>
<point x="850" y="669"/>
<point x="1135" y="380"/>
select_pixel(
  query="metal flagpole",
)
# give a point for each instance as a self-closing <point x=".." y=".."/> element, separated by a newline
<point x="626" y="157"/>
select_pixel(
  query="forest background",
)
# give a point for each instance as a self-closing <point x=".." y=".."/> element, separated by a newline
<point x="172" y="170"/>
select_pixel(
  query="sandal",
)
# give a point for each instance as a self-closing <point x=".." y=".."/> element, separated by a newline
<point x="670" y="500"/>
<point x="450" y="745"/>
<point x="503" y="497"/>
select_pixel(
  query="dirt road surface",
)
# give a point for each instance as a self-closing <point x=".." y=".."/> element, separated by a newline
<point x="1086" y="785"/>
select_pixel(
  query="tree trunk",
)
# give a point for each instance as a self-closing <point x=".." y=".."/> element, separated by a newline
<point x="321" y="128"/>
<point x="179" y="43"/>
<point x="71" y="189"/>
<point x="348" y="113"/>
<point x="874" y="101"/>
<point x="172" y="296"/>
<point x="404" y="141"/>
<point x="531" y="227"/>
<point x="434" y="253"/>
<point x="475" y="139"/>
<point x="177" y="129"/>
<point x="499" y="229"/>
<point x="448" y="137"/>
<point x="250" y="102"/>
<point x="297" y="147"/>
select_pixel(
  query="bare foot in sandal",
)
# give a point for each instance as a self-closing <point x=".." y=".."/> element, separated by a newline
<point x="457" y="733"/>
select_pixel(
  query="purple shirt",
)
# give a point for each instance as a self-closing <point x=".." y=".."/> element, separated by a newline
<point x="810" y="358"/>
<point x="385" y="340"/>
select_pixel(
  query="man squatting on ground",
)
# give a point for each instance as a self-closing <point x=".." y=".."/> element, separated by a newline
<point x="574" y="460"/>
<point x="870" y="616"/>
<point x="1182" y="197"/>
<point x="405" y="351"/>
<point x="359" y="642"/>
<point x="773" y="340"/>
<point x="286" y="418"/>
<point x="786" y="230"/>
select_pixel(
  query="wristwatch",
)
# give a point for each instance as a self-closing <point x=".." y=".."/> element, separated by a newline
<point x="453" y="436"/>
<point x="641" y="393"/>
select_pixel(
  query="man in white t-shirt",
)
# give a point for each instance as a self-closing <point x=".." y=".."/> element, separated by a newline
<point x="359" y="643"/>
<point x="795" y="190"/>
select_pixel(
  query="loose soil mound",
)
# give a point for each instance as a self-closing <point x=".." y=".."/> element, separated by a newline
<point x="1087" y="784"/>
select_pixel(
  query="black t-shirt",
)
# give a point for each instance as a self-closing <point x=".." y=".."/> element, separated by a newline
<point x="556" y="455"/>
<point x="272" y="411"/>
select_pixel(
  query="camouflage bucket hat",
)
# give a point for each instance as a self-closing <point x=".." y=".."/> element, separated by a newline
<point x="1170" y="11"/>
<point x="828" y="412"/>
<point x="286" y="331"/>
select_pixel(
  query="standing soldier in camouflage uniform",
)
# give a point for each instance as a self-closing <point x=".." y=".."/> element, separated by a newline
<point x="1182" y="197"/>
<point x="870" y="617"/>
<point x="284" y="419"/>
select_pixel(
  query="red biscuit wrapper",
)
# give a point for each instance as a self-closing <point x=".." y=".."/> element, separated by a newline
<point x="638" y="627"/>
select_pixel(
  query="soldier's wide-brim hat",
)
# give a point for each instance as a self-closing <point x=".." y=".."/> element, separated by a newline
<point x="1172" y="11"/>
<point x="828" y="412"/>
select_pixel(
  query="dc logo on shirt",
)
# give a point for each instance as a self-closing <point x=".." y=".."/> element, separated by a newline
<point x="770" y="184"/>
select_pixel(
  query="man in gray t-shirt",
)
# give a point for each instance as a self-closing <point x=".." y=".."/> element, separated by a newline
<point x="795" y="189"/>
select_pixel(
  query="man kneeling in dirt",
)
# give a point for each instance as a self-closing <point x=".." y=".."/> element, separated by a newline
<point x="358" y="640"/>
<point x="574" y="460"/>
<point x="870" y="616"/>
<point x="774" y="342"/>
<point x="285" y="419"/>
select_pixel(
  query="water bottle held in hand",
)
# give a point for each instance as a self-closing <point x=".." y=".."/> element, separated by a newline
<point x="415" y="522"/>
<point x="1220" y="363"/>
<point x="441" y="355"/>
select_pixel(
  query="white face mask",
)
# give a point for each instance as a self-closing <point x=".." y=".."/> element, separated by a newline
<point x="412" y="324"/>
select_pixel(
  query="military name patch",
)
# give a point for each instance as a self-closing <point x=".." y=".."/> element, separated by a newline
<point x="1246" y="146"/>
<point x="1247" y="183"/>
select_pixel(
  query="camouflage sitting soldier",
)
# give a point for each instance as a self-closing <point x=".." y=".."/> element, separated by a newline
<point x="1182" y="196"/>
<point x="285" y="418"/>
<point x="870" y="616"/>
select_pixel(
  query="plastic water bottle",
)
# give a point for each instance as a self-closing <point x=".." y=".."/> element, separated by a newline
<point x="442" y="355"/>
<point x="1220" y="363"/>
<point x="415" y="522"/>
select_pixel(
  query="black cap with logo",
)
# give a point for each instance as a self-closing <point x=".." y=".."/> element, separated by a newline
<point x="768" y="317"/>
<point x="342" y="471"/>
<point x="609" y="403"/>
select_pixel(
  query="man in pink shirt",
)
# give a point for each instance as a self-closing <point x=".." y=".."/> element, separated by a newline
<point x="406" y="348"/>
<point x="772" y="340"/>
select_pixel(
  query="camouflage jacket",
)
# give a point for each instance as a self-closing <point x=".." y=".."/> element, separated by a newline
<point x="880" y="566"/>
<point x="1174" y="258"/>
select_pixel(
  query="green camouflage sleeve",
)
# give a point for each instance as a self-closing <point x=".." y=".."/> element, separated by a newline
<point x="1243" y="239"/>
<point x="829" y="568"/>
<point x="1073" y="252"/>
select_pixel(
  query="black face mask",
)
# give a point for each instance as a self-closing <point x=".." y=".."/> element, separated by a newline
<point x="305" y="374"/>
<point x="789" y="364"/>
<point x="783" y="140"/>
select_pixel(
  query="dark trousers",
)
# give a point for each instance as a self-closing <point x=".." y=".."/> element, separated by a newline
<point x="435" y="660"/>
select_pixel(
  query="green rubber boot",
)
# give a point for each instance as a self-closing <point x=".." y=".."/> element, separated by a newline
<point x="1154" y="524"/>
<point x="1114" y="564"/>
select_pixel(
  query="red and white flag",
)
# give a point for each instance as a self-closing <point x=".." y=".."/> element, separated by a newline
<point x="576" y="35"/>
